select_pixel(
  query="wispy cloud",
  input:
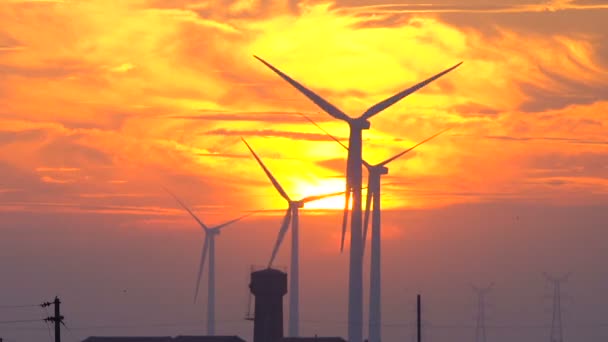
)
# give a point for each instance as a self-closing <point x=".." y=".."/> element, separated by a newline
<point x="52" y="180"/>
<point x="262" y="116"/>
<point x="269" y="133"/>
<point x="57" y="169"/>
<point x="549" y="6"/>
<point x="527" y="139"/>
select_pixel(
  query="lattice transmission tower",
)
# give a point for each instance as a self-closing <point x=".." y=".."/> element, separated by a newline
<point x="557" y="331"/>
<point x="480" y="326"/>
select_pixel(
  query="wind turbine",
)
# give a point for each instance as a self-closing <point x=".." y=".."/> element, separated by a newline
<point x="291" y="217"/>
<point x="375" y="173"/>
<point x="208" y="248"/>
<point x="353" y="185"/>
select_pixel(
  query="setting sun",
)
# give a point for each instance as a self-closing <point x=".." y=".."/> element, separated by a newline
<point x="321" y="187"/>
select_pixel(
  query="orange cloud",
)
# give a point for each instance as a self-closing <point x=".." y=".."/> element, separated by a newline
<point x="108" y="89"/>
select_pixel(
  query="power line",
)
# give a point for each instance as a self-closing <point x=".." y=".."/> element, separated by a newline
<point x="18" y="306"/>
<point x="429" y="325"/>
<point x="21" y="321"/>
<point x="48" y="326"/>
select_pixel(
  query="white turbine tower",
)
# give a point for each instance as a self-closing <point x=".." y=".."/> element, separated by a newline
<point x="375" y="173"/>
<point x="291" y="217"/>
<point x="208" y="247"/>
<point x="353" y="184"/>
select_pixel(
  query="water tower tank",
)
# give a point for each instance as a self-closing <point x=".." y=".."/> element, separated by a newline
<point x="268" y="286"/>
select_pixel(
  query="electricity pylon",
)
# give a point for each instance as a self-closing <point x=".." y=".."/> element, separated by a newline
<point x="557" y="332"/>
<point x="480" y="327"/>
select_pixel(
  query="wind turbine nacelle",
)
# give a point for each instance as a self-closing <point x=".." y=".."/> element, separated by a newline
<point x="383" y="170"/>
<point x="361" y="123"/>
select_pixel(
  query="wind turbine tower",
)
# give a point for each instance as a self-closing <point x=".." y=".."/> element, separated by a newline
<point x="480" y="327"/>
<point x="375" y="173"/>
<point x="208" y="248"/>
<point x="557" y="332"/>
<point x="353" y="186"/>
<point x="291" y="218"/>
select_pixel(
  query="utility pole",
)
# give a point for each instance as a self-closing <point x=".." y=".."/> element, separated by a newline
<point x="480" y="328"/>
<point x="419" y="324"/>
<point x="57" y="318"/>
<point x="419" y="318"/>
<point x="557" y="332"/>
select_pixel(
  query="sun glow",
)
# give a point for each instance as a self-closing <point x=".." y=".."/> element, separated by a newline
<point x="321" y="187"/>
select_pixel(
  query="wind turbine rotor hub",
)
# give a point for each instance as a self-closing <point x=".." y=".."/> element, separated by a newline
<point x="361" y="123"/>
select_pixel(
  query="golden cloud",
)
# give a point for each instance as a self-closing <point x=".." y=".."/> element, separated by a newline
<point x="110" y="82"/>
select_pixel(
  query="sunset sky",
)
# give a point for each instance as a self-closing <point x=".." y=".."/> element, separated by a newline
<point x="103" y="102"/>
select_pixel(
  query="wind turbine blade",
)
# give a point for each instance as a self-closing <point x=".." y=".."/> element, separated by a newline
<point x="345" y="219"/>
<point x="232" y="221"/>
<point x="270" y="176"/>
<point x="324" y="131"/>
<point x="368" y="204"/>
<point x="187" y="209"/>
<point x="318" y="197"/>
<point x="318" y="100"/>
<point x="377" y="108"/>
<point x="201" y="266"/>
<point x="413" y="147"/>
<point x="282" y="231"/>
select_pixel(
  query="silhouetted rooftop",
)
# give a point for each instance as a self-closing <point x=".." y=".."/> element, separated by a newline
<point x="166" y="339"/>
<point x="269" y="271"/>
<point x="128" y="339"/>
<point x="313" y="339"/>
<point x="208" y="339"/>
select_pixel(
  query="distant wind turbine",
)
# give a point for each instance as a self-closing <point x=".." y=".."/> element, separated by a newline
<point x="291" y="216"/>
<point x="208" y="247"/>
<point x="353" y="185"/>
<point x="375" y="173"/>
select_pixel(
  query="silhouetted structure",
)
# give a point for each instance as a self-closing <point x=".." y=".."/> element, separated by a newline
<point x="375" y="173"/>
<point x="268" y="286"/>
<point x="128" y="339"/>
<point x="208" y="248"/>
<point x="557" y="331"/>
<point x="313" y="339"/>
<point x="353" y="185"/>
<point x="208" y="339"/>
<point x="166" y="339"/>
<point x="291" y="218"/>
<point x="418" y="318"/>
<point x="57" y="319"/>
<point x="480" y="328"/>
